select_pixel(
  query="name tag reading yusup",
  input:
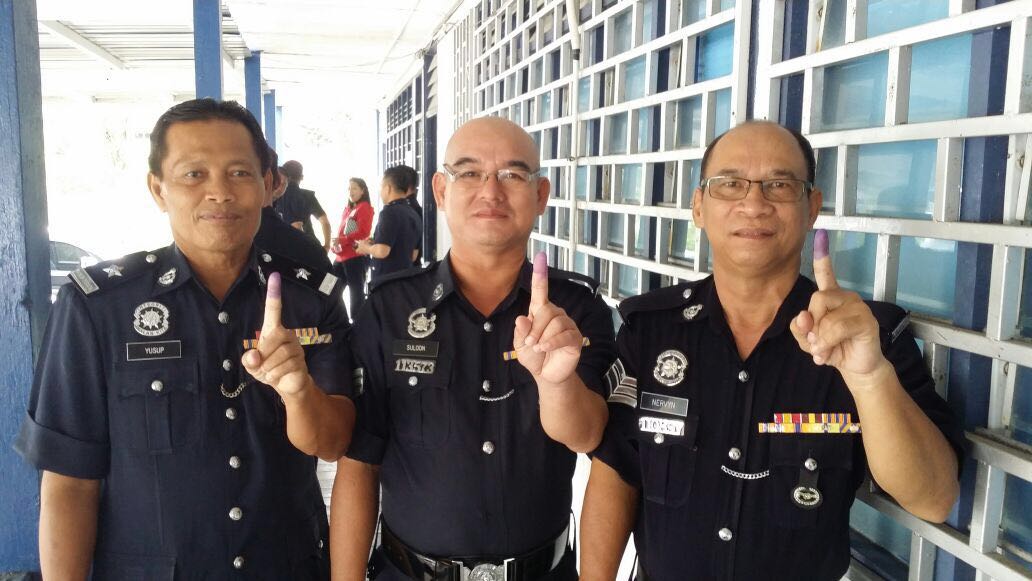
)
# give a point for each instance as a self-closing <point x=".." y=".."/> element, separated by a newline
<point x="666" y="404"/>
<point x="408" y="348"/>
<point x="146" y="351"/>
<point x="661" y="426"/>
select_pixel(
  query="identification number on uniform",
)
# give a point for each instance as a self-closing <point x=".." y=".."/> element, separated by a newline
<point x="423" y="366"/>
<point x="661" y="426"/>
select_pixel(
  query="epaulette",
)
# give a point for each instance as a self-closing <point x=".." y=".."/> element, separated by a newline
<point x="315" y="279"/>
<point x="112" y="273"/>
<point x="670" y="297"/>
<point x="892" y="320"/>
<point x="399" y="275"/>
<point x="575" y="277"/>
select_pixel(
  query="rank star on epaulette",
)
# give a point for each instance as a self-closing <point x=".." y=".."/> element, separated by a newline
<point x="302" y="273"/>
<point x="113" y="270"/>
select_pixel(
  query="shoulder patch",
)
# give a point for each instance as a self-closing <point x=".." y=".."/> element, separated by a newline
<point x="305" y="275"/>
<point x="400" y="275"/>
<point x="892" y="319"/>
<point x="576" y="278"/>
<point x="670" y="297"/>
<point x="112" y="273"/>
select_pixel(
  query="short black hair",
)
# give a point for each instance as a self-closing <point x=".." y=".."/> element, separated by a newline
<point x="294" y="171"/>
<point x="205" y="110"/>
<point x="804" y="146"/>
<point x="413" y="177"/>
<point x="399" y="177"/>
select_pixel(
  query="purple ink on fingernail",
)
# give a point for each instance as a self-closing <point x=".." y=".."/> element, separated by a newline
<point x="541" y="264"/>
<point x="820" y="244"/>
<point x="274" y="286"/>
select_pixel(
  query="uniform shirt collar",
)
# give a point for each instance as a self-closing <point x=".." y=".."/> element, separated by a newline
<point x="443" y="283"/>
<point x="173" y="269"/>
<point x="798" y="299"/>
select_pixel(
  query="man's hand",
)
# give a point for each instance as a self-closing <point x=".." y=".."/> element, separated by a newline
<point x="547" y="341"/>
<point x="363" y="246"/>
<point x="279" y="360"/>
<point x="838" y="328"/>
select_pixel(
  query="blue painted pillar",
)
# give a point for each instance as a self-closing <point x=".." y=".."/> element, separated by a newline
<point x="270" y="118"/>
<point x="279" y="124"/>
<point x="253" y="84"/>
<point x="24" y="271"/>
<point x="207" y="18"/>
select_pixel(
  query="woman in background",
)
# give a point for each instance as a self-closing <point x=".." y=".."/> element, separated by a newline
<point x="355" y="225"/>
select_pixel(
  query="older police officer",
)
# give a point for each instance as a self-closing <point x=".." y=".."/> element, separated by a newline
<point x="479" y="388"/>
<point x="746" y="408"/>
<point x="181" y="394"/>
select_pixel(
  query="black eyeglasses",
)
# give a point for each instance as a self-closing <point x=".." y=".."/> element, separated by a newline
<point x="774" y="190"/>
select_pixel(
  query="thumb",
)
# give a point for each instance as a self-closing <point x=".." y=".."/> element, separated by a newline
<point x="252" y="360"/>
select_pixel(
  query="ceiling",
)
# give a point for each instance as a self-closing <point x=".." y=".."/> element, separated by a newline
<point x="353" y="50"/>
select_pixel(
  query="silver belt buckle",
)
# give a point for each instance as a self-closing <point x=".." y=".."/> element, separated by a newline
<point x="487" y="572"/>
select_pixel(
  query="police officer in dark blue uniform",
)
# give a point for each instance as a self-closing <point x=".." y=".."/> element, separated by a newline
<point x="181" y="394"/>
<point x="482" y="380"/>
<point x="746" y="408"/>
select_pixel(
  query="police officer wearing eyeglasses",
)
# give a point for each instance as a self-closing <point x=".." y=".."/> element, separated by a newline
<point x="482" y="379"/>
<point x="181" y="395"/>
<point x="746" y="408"/>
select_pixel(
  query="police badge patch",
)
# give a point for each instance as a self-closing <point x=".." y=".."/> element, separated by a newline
<point x="151" y="319"/>
<point x="670" y="366"/>
<point x="420" y="325"/>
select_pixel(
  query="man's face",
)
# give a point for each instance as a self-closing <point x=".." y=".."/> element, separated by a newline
<point x="211" y="187"/>
<point x="491" y="215"/>
<point x="753" y="235"/>
<point x="385" y="191"/>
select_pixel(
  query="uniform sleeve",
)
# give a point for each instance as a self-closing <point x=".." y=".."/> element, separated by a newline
<point x="330" y="364"/>
<point x="314" y="206"/>
<point x="388" y="230"/>
<point x="619" y="447"/>
<point x="596" y="324"/>
<point x="66" y="427"/>
<point x="369" y="439"/>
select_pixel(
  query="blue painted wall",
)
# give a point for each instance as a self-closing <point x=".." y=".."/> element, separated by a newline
<point x="207" y="17"/>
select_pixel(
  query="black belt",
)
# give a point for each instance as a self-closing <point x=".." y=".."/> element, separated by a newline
<point x="526" y="567"/>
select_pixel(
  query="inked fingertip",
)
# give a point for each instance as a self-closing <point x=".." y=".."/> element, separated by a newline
<point x="541" y="264"/>
<point x="820" y="244"/>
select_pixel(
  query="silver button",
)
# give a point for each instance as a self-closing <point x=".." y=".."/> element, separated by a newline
<point x="230" y="413"/>
<point x="724" y="534"/>
<point x="658" y="438"/>
<point x="810" y="464"/>
<point x="234" y="462"/>
<point x="227" y="364"/>
<point x="157" y="386"/>
<point x="238" y="562"/>
<point x="267" y="258"/>
<point x="488" y="326"/>
<point x="235" y="513"/>
<point x="743" y="376"/>
<point x="488" y="447"/>
<point x="413" y="380"/>
<point x="151" y="258"/>
<point x="734" y="453"/>
<point x="320" y="543"/>
<point x="687" y="294"/>
<point x="223" y="317"/>
<point x="486" y="386"/>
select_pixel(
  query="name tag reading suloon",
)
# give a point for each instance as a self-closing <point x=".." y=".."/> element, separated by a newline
<point x="423" y="366"/>
<point x="412" y="348"/>
<point x="661" y="426"/>
<point x="145" y="351"/>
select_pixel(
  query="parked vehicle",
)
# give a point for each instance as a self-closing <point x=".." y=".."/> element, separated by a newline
<point x="64" y="258"/>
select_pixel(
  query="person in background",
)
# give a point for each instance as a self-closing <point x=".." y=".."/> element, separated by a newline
<point x="412" y="190"/>
<point x="355" y="225"/>
<point x="394" y="245"/>
<point x="277" y="236"/>
<point x="298" y="205"/>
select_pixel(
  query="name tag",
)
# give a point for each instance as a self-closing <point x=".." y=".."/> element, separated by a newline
<point x="416" y="348"/>
<point x="146" y="351"/>
<point x="666" y="404"/>
<point x="661" y="426"/>
<point x="423" y="366"/>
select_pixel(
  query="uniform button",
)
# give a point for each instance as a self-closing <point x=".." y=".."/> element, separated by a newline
<point x="658" y="438"/>
<point x="486" y="386"/>
<point x="810" y="464"/>
<point x="724" y="534"/>
<point x="227" y="364"/>
<point x="488" y="326"/>
<point x="320" y="543"/>
<point x="157" y="386"/>
<point x="224" y="318"/>
<point x="230" y="413"/>
<point x="234" y="462"/>
<point x="734" y="453"/>
<point x="488" y="447"/>
<point x="413" y="380"/>
<point x="687" y="294"/>
<point x="151" y="258"/>
<point x="238" y="562"/>
<point x="743" y="376"/>
<point x="235" y="513"/>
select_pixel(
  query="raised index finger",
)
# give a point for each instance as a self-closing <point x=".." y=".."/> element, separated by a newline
<point x="539" y="283"/>
<point x="273" y="303"/>
<point x="823" y="273"/>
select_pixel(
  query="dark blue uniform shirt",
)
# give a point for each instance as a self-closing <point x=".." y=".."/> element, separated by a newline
<point x="139" y="384"/>
<point x="401" y="228"/>
<point x="718" y="498"/>
<point x="467" y="469"/>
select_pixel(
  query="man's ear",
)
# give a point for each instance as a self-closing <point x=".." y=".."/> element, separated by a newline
<point x="439" y="183"/>
<point x="154" y="185"/>
<point x="697" y="207"/>
<point x="816" y="200"/>
<point x="544" y="187"/>
<point x="267" y="180"/>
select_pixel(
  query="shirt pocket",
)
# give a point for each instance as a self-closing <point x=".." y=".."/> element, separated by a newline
<point x="811" y="476"/>
<point x="420" y="402"/>
<point x="668" y="464"/>
<point x="156" y="407"/>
